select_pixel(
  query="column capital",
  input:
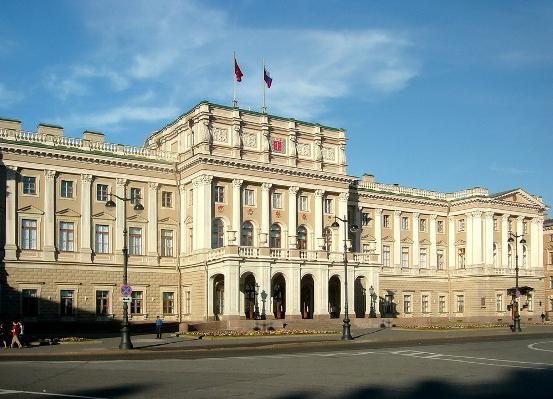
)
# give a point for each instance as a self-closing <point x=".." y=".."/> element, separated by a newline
<point x="85" y="178"/>
<point x="266" y="186"/>
<point x="12" y="169"/>
<point x="520" y="218"/>
<point x="377" y="212"/>
<point x="344" y="196"/>
<point x="237" y="183"/>
<point x="476" y="214"/>
<point x="489" y="214"/>
<point x="294" y="190"/>
<point x="182" y="186"/>
<point x="121" y="182"/>
<point x="154" y="186"/>
<point x="433" y="217"/>
<point x="416" y="215"/>
<point x="319" y="193"/>
<point x="397" y="213"/>
<point x="50" y="174"/>
<point x="202" y="180"/>
<point x="505" y="217"/>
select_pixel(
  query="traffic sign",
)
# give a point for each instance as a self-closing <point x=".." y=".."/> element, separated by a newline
<point x="126" y="290"/>
<point x="126" y="299"/>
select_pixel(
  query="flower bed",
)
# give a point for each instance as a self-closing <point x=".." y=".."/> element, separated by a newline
<point x="258" y="332"/>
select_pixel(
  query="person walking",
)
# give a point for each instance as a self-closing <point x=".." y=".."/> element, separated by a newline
<point x="159" y="324"/>
<point x="15" y="335"/>
<point x="22" y="337"/>
<point x="3" y="335"/>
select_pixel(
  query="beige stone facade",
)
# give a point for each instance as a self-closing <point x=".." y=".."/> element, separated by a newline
<point x="237" y="217"/>
<point x="548" y="266"/>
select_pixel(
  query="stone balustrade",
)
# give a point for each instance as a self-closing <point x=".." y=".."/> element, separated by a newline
<point x="397" y="189"/>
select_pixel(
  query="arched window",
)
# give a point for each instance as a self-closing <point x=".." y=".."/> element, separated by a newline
<point x="246" y="237"/>
<point x="327" y="235"/>
<point x="510" y="256"/>
<point x="524" y="252"/>
<point x="302" y="237"/>
<point x="495" y="254"/>
<point x="217" y="233"/>
<point x="274" y="236"/>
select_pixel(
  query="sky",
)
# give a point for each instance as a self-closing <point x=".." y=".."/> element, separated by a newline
<point x="432" y="94"/>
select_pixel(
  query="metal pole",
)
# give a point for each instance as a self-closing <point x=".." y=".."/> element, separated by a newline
<point x="125" y="331"/>
<point x="346" y="328"/>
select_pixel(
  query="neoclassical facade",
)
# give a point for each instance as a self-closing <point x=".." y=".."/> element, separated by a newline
<point x="548" y="266"/>
<point x="239" y="221"/>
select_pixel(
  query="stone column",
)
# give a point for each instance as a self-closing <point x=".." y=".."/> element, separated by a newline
<point x="397" y="239"/>
<point x="293" y="216"/>
<point x="468" y="240"/>
<point x="49" y="230"/>
<point x="432" y="235"/>
<point x="533" y="247"/>
<point x="539" y="238"/>
<point x="342" y="213"/>
<point x="319" y="240"/>
<point x="182" y="218"/>
<point x="265" y="210"/>
<point x="153" y="253"/>
<point x="236" y="208"/>
<point x="451" y="242"/>
<point x="378" y="231"/>
<point x="504" y="241"/>
<point x="120" y="190"/>
<point x="488" y="238"/>
<point x="10" y="246"/>
<point x="202" y="212"/>
<point x="416" y="249"/>
<point x="519" y="232"/>
<point x="86" y="218"/>
<point x="477" y="238"/>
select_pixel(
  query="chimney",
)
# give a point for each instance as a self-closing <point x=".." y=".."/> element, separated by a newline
<point x="10" y="124"/>
<point x="49" y="130"/>
<point x="94" y="137"/>
<point x="368" y="178"/>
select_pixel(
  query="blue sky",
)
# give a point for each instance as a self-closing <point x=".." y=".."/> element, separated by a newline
<point x="433" y="94"/>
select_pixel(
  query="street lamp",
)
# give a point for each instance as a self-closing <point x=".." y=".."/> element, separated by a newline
<point x="372" y="293"/>
<point x="514" y="238"/>
<point x="125" y="331"/>
<point x="346" y="327"/>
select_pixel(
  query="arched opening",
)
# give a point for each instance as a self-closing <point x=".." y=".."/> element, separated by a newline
<point x="360" y="297"/>
<point x="302" y="238"/>
<point x="275" y="236"/>
<point x="218" y="296"/>
<point x="278" y="292"/>
<point x="251" y="307"/>
<point x="334" y="297"/>
<point x="327" y="236"/>
<point x="307" y="300"/>
<point x="217" y="233"/>
<point x="246" y="236"/>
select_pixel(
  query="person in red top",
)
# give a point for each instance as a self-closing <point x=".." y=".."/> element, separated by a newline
<point x="15" y="335"/>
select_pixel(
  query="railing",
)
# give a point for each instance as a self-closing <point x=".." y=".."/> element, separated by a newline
<point x="279" y="253"/>
<point x="86" y="145"/>
<point x="216" y="253"/>
<point x="249" y="252"/>
<point x="397" y="189"/>
<point x="308" y="255"/>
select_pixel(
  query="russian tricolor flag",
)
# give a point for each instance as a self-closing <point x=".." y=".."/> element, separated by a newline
<point x="267" y="77"/>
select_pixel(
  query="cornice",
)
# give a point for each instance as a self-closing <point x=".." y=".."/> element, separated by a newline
<point x="400" y="198"/>
<point x="493" y="201"/>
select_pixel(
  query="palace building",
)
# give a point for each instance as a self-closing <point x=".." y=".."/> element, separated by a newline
<point x="245" y="215"/>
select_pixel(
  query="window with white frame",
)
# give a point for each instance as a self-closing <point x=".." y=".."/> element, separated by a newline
<point x="101" y="192"/>
<point x="28" y="234"/>
<point x="461" y="225"/>
<point x="460" y="303"/>
<point x="386" y="221"/>
<point x="166" y="243"/>
<point x="67" y="237"/>
<point x="404" y="223"/>
<point x="29" y="185"/>
<point x="442" y="304"/>
<point x="135" y="241"/>
<point x="328" y="206"/>
<point x="217" y="233"/>
<point x="440" y="259"/>
<point x="277" y="200"/>
<point x="365" y="219"/>
<point x="303" y="203"/>
<point x="168" y="303"/>
<point x="423" y="260"/>
<point x="187" y="302"/>
<point x="461" y="258"/>
<point x="219" y="194"/>
<point x="530" y="302"/>
<point x="440" y="226"/>
<point x="29" y="302"/>
<point x="404" y="256"/>
<point x="135" y="195"/>
<point x="101" y="239"/>
<point x="425" y="303"/>
<point x="167" y="199"/>
<point x="366" y="248"/>
<point x="102" y="303"/>
<point x="137" y="302"/>
<point x="67" y="298"/>
<point x="422" y="225"/>
<point x="249" y="197"/>
<point x="407" y="303"/>
<point x="386" y="255"/>
<point x="66" y="189"/>
<point x="498" y="302"/>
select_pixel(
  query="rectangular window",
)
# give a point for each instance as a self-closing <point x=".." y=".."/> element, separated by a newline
<point x="499" y="302"/>
<point x="166" y="243"/>
<point x="29" y="185"/>
<point x="135" y="241"/>
<point x="440" y="259"/>
<point x="66" y="302"/>
<point x="166" y="199"/>
<point x="219" y="194"/>
<point x="425" y="304"/>
<point x="190" y="197"/>
<point x="187" y="304"/>
<point x="442" y="304"/>
<point x="423" y="258"/>
<point x="303" y="203"/>
<point x="404" y="256"/>
<point x="422" y="225"/>
<point x="461" y="225"/>
<point x="135" y="195"/>
<point x="525" y="227"/>
<point x="386" y="221"/>
<point x="366" y="248"/>
<point x="249" y="197"/>
<point x="29" y="302"/>
<point x="551" y="258"/>
<point x="137" y="298"/>
<point x="495" y="224"/>
<point x="461" y="258"/>
<point x="67" y="237"/>
<point x="386" y="256"/>
<point x="328" y="206"/>
<point x="66" y="189"/>
<point x="168" y="303"/>
<point x="440" y="226"/>
<point x="28" y="234"/>
<point x="277" y="200"/>
<point x="404" y="223"/>
<point x="101" y="239"/>
<point x="460" y="303"/>
<point x="365" y="219"/>
<point x="102" y="303"/>
<point x="101" y="192"/>
<point x="407" y="301"/>
<point x="530" y="302"/>
<point x="550" y="281"/>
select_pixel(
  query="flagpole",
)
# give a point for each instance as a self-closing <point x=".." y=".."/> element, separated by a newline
<point x="234" y="102"/>
<point x="264" y="107"/>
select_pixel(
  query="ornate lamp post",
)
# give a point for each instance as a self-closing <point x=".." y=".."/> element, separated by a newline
<point x="346" y="327"/>
<point x="514" y="238"/>
<point x="372" y="293"/>
<point x="125" y="331"/>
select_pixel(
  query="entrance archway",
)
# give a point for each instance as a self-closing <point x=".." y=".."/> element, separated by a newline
<point x="218" y="296"/>
<point x="307" y="299"/>
<point x="334" y="296"/>
<point x="360" y="297"/>
<point x="278" y="292"/>
<point x="249" y="288"/>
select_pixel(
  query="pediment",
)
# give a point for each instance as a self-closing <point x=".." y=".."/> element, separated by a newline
<point x="424" y="241"/>
<point x="368" y="237"/>
<point x="460" y="242"/>
<point x="68" y="212"/>
<point x="406" y="240"/>
<point x="442" y="243"/>
<point x="388" y="238"/>
<point x="31" y="210"/>
<point x="519" y="196"/>
<point x="103" y="216"/>
<point x="137" y="218"/>
<point x="168" y="221"/>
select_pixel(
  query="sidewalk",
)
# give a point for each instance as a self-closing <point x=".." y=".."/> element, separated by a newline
<point x="145" y="345"/>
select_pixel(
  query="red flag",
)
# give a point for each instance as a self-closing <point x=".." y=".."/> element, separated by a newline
<point x="237" y="72"/>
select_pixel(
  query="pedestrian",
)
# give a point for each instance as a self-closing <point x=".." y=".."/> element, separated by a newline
<point x="543" y="317"/>
<point x="22" y="337"/>
<point x="3" y="335"/>
<point x="159" y="324"/>
<point x="15" y="335"/>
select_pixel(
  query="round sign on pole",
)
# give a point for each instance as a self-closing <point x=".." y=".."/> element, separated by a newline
<point x="126" y="290"/>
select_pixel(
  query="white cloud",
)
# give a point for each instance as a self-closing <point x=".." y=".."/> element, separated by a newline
<point x="509" y="170"/>
<point x="8" y="96"/>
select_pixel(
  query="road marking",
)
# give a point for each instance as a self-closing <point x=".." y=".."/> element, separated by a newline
<point x="533" y="347"/>
<point x="62" y="395"/>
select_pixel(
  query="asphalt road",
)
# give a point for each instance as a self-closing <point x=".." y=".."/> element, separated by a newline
<point x="492" y="369"/>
